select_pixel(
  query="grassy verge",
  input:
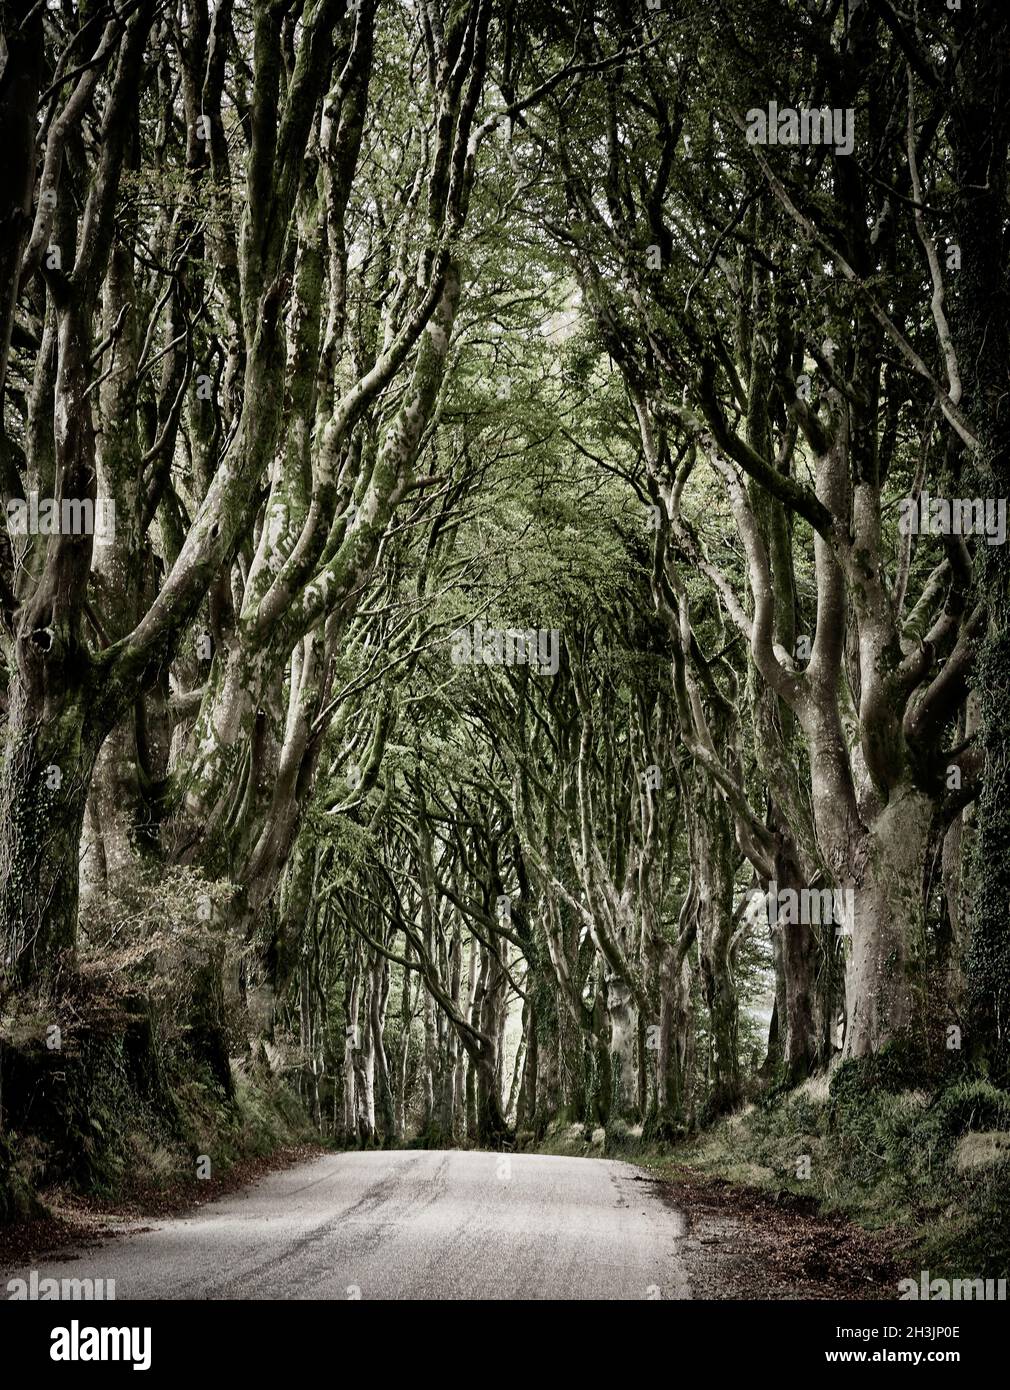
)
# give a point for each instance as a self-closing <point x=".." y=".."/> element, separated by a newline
<point x="931" y="1167"/>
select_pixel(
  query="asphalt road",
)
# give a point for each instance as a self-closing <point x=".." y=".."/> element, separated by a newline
<point x="409" y="1225"/>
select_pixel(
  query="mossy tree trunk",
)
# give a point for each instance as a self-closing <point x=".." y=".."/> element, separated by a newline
<point x="980" y="294"/>
<point x="47" y="764"/>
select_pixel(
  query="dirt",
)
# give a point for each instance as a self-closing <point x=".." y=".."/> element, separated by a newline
<point x="743" y="1243"/>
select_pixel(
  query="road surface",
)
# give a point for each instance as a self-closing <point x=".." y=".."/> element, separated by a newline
<point x="409" y="1225"/>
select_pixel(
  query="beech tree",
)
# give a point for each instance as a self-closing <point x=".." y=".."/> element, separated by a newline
<point x="66" y="693"/>
<point x="713" y="345"/>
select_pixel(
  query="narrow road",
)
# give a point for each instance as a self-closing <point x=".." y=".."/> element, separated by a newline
<point x="409" y="1225"/>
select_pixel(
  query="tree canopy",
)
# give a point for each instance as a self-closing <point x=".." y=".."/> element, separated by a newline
<point x="547" y="653"/>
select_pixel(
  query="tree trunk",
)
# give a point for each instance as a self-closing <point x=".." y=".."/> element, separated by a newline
<point x="883" y="975"/>
<point x="49" y="757"/>
<point x="622" y="1016"/>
